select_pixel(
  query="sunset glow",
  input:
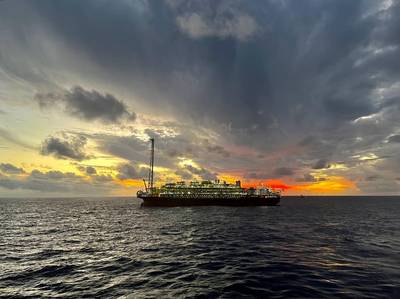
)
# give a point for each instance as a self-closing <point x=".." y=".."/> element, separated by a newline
<point x="311" y="115"/>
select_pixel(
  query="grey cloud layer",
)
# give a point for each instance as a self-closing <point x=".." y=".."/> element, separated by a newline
<point x="318" y="76"/>
<point x="87" y="105"/>
<point x="223" y="20"/>
<point x="54" y="182"/>
<point x="10" y="169"/>
<point x="300" y="73"/>
<point x="70" y="147"/>
<point x="128" y="171"/>
<point x="169" y="149"/>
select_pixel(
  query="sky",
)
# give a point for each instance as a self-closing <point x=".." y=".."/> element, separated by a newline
<point x="302" y="96"/>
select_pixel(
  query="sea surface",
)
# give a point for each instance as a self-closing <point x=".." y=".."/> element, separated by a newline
<point x="317" y="247"/>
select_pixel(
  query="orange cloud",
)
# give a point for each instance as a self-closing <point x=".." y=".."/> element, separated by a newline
<point x="332" y="185"/>
<point x="129" y="183"/>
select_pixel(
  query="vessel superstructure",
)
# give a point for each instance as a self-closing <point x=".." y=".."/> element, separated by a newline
<point x="204" y="192"/>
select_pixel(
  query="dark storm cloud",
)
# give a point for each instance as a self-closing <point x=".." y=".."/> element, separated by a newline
<point x="285" y="76"/>
<point x="394" y="139"/>
<point x="68" y="148"/>
<point x="282" y="171"/>
<point x="287" y="63"/>
<point x="321" y="164"/>
<point x="87" y="105"/>
<point x="10" y="169"/>
<point x="261" y="74"/>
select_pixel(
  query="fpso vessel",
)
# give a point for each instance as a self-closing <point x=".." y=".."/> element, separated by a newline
<point x="204" y="193"/>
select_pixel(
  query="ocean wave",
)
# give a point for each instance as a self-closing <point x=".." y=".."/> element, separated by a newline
<point x="120" y="250"/>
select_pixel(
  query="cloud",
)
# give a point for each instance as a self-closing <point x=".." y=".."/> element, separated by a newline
<point x="10" y="169"/>
<point x="223" y="19"/>
<point x="126" y="147"/>
<point x="55" y="181"/>
<point x="185" y="175"/>
<point x="91" y="170"/>
<point x="256" y="175"/>
<point x="283" y="171"/>
<point x="87" y="105"/>
<point x="52" y="174"/>
<point x="190" y="77"/>
<point x="6" y="135"/>
<point x="321" y="164"/>
<point x="71" y="147"/>
<point x="171" y="143"/>
<point x="308" y="178"/>
<point x="9" y="183"/>
<point x="127" y="171"/>
<point x="203" y="173"/>
<point x="238" y="26"/>
<point x="373" y="177"/>
<point x="102" y="178"/>
<point x="297" y="83"/>
<point x="215" y="148"/>
<point x="394" y="139"/>
<point x="93" y="174"/>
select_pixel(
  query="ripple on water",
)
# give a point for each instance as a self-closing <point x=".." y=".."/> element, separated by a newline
<point x="112" y="248"/>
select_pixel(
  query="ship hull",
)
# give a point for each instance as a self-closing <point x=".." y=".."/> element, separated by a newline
<point x="176" y="202"/>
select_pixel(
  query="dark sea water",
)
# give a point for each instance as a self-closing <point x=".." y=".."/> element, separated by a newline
<point x="345" y="247"/>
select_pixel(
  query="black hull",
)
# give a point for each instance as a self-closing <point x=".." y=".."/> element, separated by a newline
<point x="236" y="202"/>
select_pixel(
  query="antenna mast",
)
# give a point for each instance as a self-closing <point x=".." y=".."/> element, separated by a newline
<point x="151" y="169"/>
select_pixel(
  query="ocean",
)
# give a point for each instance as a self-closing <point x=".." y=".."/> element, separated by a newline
<point x="316" y="247"/>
